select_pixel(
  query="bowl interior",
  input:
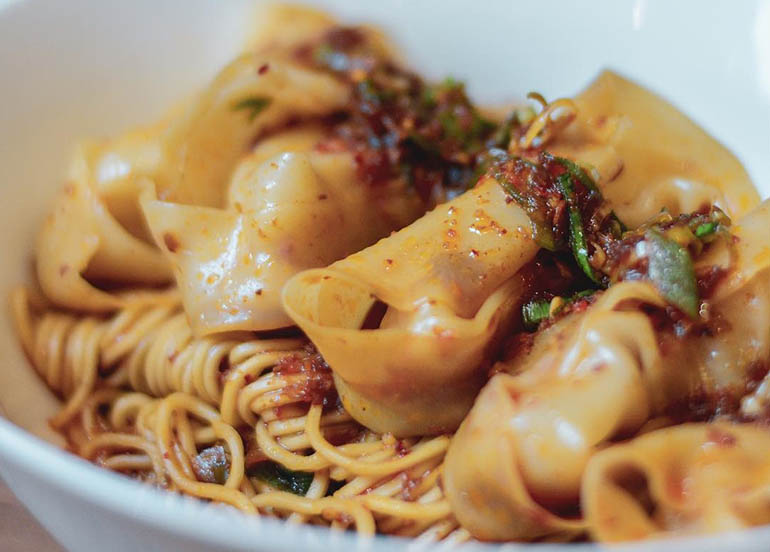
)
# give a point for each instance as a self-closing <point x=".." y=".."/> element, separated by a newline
<point x="88" y="69"/>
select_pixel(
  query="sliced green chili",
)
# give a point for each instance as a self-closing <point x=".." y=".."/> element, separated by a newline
<point x="253" y="105"/>
<point x="578" y="172"/>
<point x="275" y="475"/>
<point x="542" y="232"/>
<point x="705" y="229"/>
<point x="577" y="236"/>
<point x="534" y="312"/>
<point x="538" y="310"/>
<point x="617" y="226"/>
<point x="670" y="269"/>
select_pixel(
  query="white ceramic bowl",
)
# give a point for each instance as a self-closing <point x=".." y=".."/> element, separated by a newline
<point x="88" y="68"/>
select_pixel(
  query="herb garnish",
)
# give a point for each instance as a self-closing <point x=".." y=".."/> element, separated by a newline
<point x="254" y="105"/>
<point x="539" y="310"/>
<point x="567" y="211"/>
<point x="396" y="124"/>
<point x="275" y="475"/>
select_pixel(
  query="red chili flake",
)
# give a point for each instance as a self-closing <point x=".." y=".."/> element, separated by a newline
<point x="340" y="435"/>
<point x="401" y="449"/>
<point x="721" y="438"/>
<point x="264" y="68"/>
<point x="408" y="485"/>
<point x="171" y="241"/>
<point x="317" y="387"/>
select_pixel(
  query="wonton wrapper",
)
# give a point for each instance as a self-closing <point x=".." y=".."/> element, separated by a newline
<point x="191" y="154"/>
<point x="649" y="155"/>
<point x="742" y="299"/>
<point x="201" y="148"/>
<point x="447" y="283"/>
<point x="119" y="170"/>
<point x="81" y="239"/>
<point x="527" y="439"/>
<point x="693" y="479"/>
<point x="281" y="28"/>
<point x="520" y="454"/>
<point x="285" y="214"/>
<point x="97" y="229"/>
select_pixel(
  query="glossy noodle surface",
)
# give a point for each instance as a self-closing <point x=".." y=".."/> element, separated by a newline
<point x="327" y="290"/>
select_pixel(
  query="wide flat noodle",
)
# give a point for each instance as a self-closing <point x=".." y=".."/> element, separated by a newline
<point x="120" y="168"/>
<point x="192" y="152"/>
<point x="742" y="300"/>
<point x="284" y="214"/>
<point x="586" y="379"/>
<point x="592" y="377"/>
<point x="693" y="479"/>
<point x="251" y="95"/>
<point x="283" y="28"/>
<point x="280" y="28"/>
<point x="649" y="155"/>
<point x="81" y="240"/>
<point x="97" y="229"/>
<point x="447" y="283"/>
<point x="751" y="249"/>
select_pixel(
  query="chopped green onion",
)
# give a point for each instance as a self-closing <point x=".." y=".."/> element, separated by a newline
<point x="538" y="310"/>
<point x="542" y="232"/>
<point x="581" y="295"/>
<point x="705" y="229"/>
<point x="254" y="105"/>
<point x="576" y="171"/>
<point x="534" y="312"/>
<point x="275" y="475"/>
<point x="577" y="237"/>
<point x="617" y="226"/>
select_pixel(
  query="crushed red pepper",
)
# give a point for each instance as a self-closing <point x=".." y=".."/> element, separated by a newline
<point x="395" y="124"/>
<point x="317" y="387"/>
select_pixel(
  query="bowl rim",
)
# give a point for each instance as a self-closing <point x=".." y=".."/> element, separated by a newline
<point x="183" y="516"/>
